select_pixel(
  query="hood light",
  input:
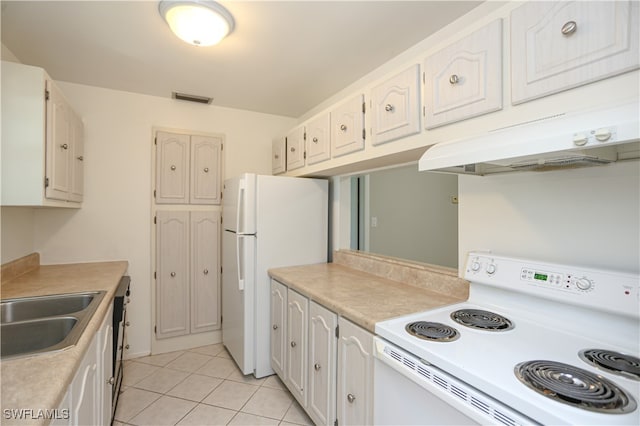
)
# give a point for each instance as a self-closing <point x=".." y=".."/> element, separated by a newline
<point x="197" y="22"/>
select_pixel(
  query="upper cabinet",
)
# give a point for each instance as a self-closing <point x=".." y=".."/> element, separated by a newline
<point x="464" y="80"/>
<point x="560" y="45"/>
<point x="188" y="169"/>
<point x="347" y="126"/>
<point x="295" y="148"/>
<point x="395" y="107"/>
<point x="42" y="141"/>
<point x="318" y="139"/>
<point x="279" y="156"/>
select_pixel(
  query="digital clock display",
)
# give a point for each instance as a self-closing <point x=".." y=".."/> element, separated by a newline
<point x="539" y="276"/>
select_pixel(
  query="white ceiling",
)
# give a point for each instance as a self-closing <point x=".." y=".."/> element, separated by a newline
<point x="283" y="57"/>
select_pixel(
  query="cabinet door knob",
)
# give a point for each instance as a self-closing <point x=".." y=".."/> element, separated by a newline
<point x="206" y="272"/>
<point x="111" y="381"/>
<point x="454" y="79"/>
<point x="126" y="347"/>
<point x="64" y="146"/>
<point x="277" y="156"/>
<point x="569" y="28"/>
<point x="127" y="323"/>
<point x="315" y="140"/>
<point x="389" y="108"/>
<point x="343" y="128"/>
<point x="206" y="170"/>
<point x="293" y="344"/>
<point x="316" y="367"/>
<point x="351" y="397"/>
<point x="275" y="326"/>
<point x="293" y="149"/>
<point x="173" y="167"/>
<point x="81" y="158"/>
<point x="173" y="274"/>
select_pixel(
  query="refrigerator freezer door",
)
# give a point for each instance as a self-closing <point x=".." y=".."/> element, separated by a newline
<point x="239" y="204"/>
<point x="238" y="272"/>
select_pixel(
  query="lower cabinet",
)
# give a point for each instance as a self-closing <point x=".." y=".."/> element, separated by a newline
<point x="88" y="398"/>
<point x="325" y="361"/>
<point x="355" y="375"/>
<point x="188" y="272"/>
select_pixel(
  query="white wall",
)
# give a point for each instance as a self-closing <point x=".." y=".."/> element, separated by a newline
<point x="586" y="217"/>
<point x="17" y="232"/>
<point x="115" y="219"/>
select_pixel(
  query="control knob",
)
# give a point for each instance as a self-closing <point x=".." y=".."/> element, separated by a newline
<point x="475" y="266"/>
<point x="491" y="268"/>
<point x="584" y="283"/>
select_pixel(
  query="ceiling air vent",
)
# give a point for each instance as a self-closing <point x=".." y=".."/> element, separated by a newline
<point x="191" y="98"/>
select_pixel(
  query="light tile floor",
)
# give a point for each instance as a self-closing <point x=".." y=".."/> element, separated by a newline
<point x="202" y="386"/>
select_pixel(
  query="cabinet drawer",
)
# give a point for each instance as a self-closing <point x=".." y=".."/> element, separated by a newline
<point x="464" y="80"/>
<point x="560" y="45"/>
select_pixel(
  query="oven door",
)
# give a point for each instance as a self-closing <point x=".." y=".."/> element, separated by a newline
<point x="409" y="391"/>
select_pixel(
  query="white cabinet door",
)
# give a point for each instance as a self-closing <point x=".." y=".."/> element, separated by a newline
<point x="172" y="278"/>
<point x="322" y="364"/>
<point x="295" y="148"/>
<point x="85" y="399"/>
<point x="318" y="139"/>
<point x="464" y="79"/>
<point x="559" y="45"/>
<point x="355" y="375"/>
<point x="172" y="168"/>
<point x="278" y="328"/>
<point x="106" y="382"/>
<point x="59" y="146"/>
<point x="278" y="156"/>
<point x="206" y="162"/>
<point x="296" y="355"/>
<point x="77" y="158"/>
<point x="205" y="267"/>
<point x="347" y="127"/>
<point x="395" y="107"/>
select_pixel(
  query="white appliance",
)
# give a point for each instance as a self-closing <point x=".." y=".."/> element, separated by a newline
<point x="268" y="222"/>
<point x="524" y="349"/>
<point x="572" y="139"/>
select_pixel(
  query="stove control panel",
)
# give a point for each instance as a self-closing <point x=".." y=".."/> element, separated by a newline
<point x="557" y="280"/>
<point x="605" y="290"/>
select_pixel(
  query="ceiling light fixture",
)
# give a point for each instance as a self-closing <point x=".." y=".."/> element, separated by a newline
<point x="198" y="22"/>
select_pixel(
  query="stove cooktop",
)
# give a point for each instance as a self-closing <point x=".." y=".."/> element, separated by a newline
<point x="523" y="313"/>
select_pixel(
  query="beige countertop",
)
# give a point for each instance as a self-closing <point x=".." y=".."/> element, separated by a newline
<point x="359" y="296"/>
<point x="41" y="381"/>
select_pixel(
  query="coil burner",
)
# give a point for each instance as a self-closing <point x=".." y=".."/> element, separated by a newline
<point x="574" y="386"/>
<point x="483" y="320"/>
<point x="433" y="331"/>
<point x="613" y="362"/>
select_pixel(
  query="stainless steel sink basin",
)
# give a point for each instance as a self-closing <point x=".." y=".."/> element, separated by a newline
<point x="27" y="308"/>
<point x="34" y="325"/>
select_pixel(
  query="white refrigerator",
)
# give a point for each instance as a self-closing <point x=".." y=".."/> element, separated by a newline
<point x="268" y="222"/>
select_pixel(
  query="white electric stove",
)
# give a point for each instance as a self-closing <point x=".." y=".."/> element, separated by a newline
<point x="524" y="349"/>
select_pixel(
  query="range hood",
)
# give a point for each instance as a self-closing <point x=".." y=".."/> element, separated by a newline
<point x="565" y="140"/>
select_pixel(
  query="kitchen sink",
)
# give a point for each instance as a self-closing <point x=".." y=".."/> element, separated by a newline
<point x="34" y="325"/>
<point x="27" y="308"/>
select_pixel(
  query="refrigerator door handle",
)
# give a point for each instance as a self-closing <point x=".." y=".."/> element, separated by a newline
<point x="240" y="261"/>
<point x="240" y="207"/>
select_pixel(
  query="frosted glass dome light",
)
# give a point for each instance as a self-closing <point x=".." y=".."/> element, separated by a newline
<point x="197" y="22"/>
